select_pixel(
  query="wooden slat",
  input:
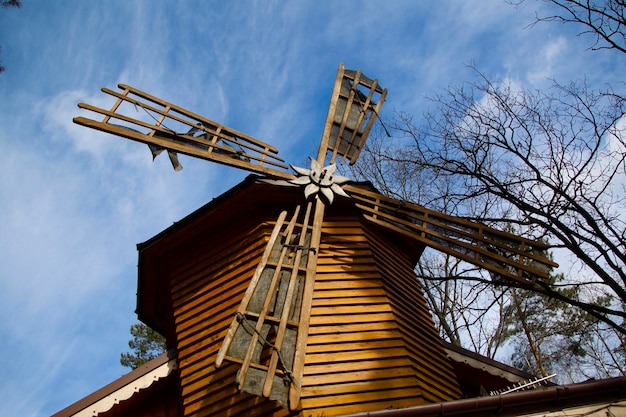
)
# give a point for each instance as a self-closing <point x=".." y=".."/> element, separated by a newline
<point x="344" y="360"/>
<point x="209" y="297"/>
<point x="466" y="240"/>
<point x="212" y="307"/>
<point x="322" y="369"/>
<point x="362" y="401"/>
<point x="207" y="382"/>
<point x="285" y="264"/>
<point x="228" y="401"/>
<point x="354" y="318"/>
<point x="350" y="301"/>
<point x="350" y="310"/>
<point x="196" y="117"/>
<point x="307" y="298"/>
<point x="353" y="337"/>
<point x="349" y="102"/>
<point x="364" y="375"/>
<point x="355" y="346"/>
<point x="197" y="367"/>
<point x="359" y="387"/>
<point x="334" y="328"/>
<point x="357" y="281"/>
<point x="332" y="108"/>
<point x="188" y="284"/>
<point x="157" y="131"/>
<point x="408" y="399"/>
<point x="291" y="294"/>
<point x="207" y="291"/>
<point x="185" y="147"/>
<point x="414" y="320"/>
<point x="221" y="281"/>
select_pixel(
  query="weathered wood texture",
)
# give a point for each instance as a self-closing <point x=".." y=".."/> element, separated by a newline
<point x="354" y="106"/>
<point x="371" y="342"/>
<point x="503" y="254"/>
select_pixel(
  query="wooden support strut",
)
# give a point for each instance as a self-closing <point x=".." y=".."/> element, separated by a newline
<point x="332" y="109"/>
<point x="264" y="310"/>
<point x="344" y="120"/>
<point x="348" y="96"/>
<point x="307" y="300"/>
<point x="293" y="279"/>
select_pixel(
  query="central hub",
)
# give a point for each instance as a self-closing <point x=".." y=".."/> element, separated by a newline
<point x="320" y="180"/>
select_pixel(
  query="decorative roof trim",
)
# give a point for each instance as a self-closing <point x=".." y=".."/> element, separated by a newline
<point x="122" y="389"/>
<point x="491" y="366"/>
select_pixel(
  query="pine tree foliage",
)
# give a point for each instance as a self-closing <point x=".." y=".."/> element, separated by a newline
<point x="11" y="3"/>
<point x="549" y="336"/>
<point x="146" y="344"/>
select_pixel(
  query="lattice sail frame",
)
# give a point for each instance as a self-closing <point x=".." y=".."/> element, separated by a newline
<point x="354" y="107"/>
<point x="502" y="254"/>
<point x="142" y="117"/>
<point x="269" y="328"/>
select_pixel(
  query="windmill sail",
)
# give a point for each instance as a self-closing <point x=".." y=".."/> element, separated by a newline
<point x="264" y="334"/>
<point x="142" y="117"/>
<point x="354" y="106"/>
<point x="502" y="254"/>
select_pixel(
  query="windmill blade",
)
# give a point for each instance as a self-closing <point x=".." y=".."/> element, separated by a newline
<point x="141" y="117"/>
<point x="354" y="105"/>
<point x="268" y="335"/>
<point x="502" y="254"/>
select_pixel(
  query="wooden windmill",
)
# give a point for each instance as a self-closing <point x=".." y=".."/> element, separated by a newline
<point x="267" y="338"/>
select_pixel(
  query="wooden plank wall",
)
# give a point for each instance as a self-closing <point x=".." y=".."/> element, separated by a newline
<point x="370" y="347"/>
<point x="205" y="294"/>
<point x="432" y="368"/>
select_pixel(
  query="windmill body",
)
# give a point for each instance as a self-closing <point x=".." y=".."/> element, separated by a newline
<point x="371" y="342"/>
<point x="294" y="293"/>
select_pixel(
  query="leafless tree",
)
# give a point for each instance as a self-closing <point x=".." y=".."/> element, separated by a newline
<point x="549" y="164"/>
<point x="605" y="20"/>
<point x="5" y="5"/>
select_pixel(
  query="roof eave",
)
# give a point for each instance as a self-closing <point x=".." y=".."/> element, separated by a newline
<point x="557" y="398"/>
<point x="123" y="388"/>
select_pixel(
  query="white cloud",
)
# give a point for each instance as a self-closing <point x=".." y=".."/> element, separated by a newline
<point x="551" y="54"/>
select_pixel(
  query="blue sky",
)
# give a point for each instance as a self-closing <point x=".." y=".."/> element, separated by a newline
<point x="75" y="202"/>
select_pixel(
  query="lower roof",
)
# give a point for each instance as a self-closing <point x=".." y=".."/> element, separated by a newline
<point x="123" y="389"/>
<point x="591" y="398"/>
